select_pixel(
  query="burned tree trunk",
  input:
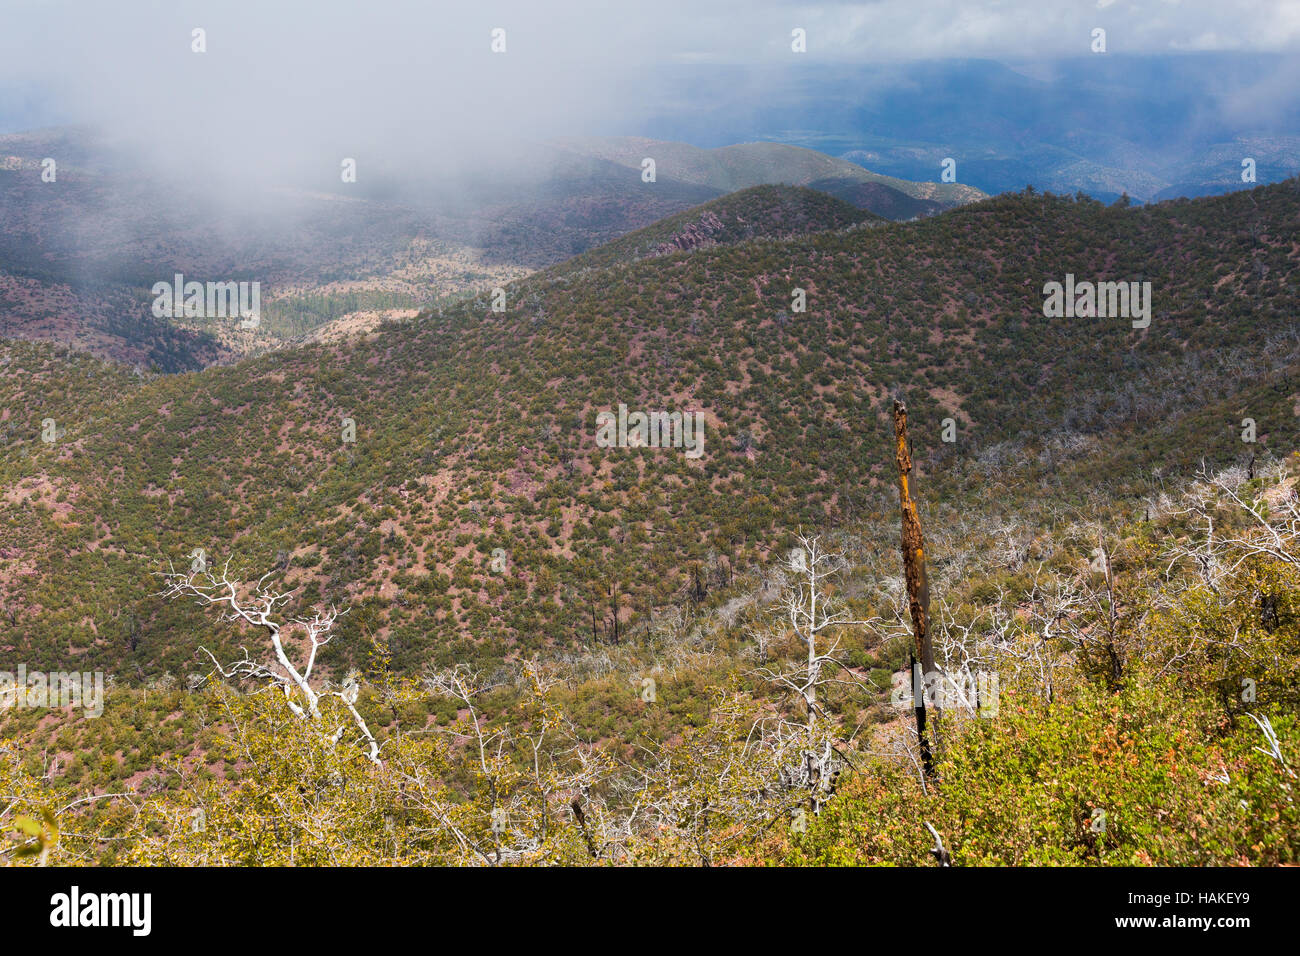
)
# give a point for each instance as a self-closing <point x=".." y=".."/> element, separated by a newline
<point x="918" y="589"/>
<point x="613" y="611"/>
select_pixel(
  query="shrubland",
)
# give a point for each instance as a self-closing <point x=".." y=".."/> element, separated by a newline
<point x="570" y="654"/>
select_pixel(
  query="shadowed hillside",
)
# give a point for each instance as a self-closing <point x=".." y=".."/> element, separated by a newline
<point x="759" y="212"/>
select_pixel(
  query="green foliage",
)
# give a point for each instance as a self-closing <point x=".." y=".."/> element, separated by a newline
<point x="475" y="431"/>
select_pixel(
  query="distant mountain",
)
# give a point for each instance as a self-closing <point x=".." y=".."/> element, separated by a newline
<point x="751" y="164"/>
<point x="1105" y="124"/>
<point x="759" y="212"/>
<point x="883" y="200"/>
<point x="79" y="255"/>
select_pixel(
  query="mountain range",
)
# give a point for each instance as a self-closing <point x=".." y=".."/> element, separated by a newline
<point x="78" y="256"/>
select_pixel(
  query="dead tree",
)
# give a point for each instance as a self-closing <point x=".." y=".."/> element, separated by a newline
<point x="258" y="606"/>
<point x="814" y="616"/>
<point x="918" y="589"/>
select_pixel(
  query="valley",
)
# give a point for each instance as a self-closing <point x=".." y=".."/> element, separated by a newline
<point x="620" y="438"/>
<point x="441" y="478"/>
<point x="395" y="240"/>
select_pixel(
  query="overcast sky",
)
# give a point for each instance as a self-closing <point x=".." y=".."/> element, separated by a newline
<point x="281" y="76"/>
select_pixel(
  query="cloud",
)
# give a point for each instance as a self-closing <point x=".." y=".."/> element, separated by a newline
<point x="289" y="89"/>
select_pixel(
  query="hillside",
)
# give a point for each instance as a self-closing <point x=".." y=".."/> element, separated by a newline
<point x="80" y="255"/>
<point x="759" y="212"/>
<point x="729" y="168"/>
<point x="609" y="619"/>
<point x="883" y="200"/>
<point x="475" y="430"/>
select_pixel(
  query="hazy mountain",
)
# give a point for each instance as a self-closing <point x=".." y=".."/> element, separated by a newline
<point x="1154" y="126"/>
<point x="751" y="164"/>
<point x="756" y="213"/>
<point x="79" y="256"/>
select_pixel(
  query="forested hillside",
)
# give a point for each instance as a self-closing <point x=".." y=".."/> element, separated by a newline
<point x="475" y="430"/>
<point x="549" y="650"/>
